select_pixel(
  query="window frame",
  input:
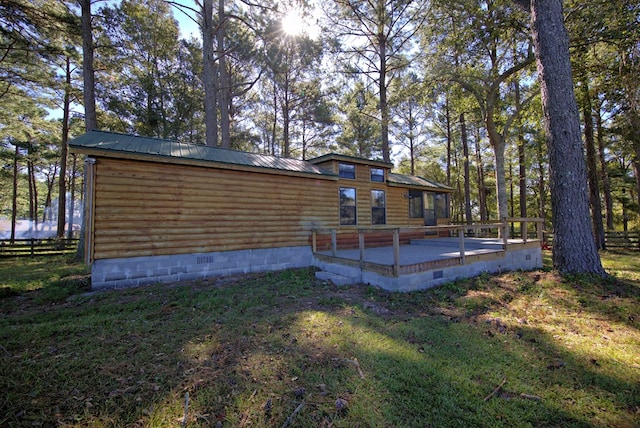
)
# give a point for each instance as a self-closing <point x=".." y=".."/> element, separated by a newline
<point x="441" y="205"/>
<point x="381" y="175"/>
<point x="351" y="207"/>
<point x="415" y="198"/>
<point x="349" y="171"/>
<point x="377" y="209"/>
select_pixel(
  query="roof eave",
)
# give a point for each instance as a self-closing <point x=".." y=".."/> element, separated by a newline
<point x="338" y="157"/>
<point x="107" y="153"/>
<point x="418" y="187"/>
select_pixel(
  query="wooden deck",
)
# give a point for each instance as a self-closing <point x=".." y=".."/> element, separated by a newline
<point x="426" y="254"/>
<point x="422" y="263"/>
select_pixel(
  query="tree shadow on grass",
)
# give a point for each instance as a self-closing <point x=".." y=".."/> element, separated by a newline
<point x="443" y="371"/>
<point x="249" y="351"/>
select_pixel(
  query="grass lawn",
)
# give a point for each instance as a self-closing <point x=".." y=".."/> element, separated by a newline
<point x="282" y="349"/>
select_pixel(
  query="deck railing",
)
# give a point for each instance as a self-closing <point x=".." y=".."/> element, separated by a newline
<point x="450" y="230"/>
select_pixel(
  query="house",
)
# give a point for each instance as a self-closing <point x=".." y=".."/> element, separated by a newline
<point x="159" y="210"/>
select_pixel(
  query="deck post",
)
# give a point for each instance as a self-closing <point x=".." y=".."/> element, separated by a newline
<point x="314" y="241"/>
<point x="461" y="244"/>
<point x="523" y="229"/>
<point x="396" y="252"/>
<point x="361" y="247"/>
<point x="334" y="243"/>
<point x="505" y="232"/>
<point x="539" y="231"/>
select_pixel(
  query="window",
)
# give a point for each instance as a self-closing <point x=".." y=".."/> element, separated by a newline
<point x="347" y="170"/>
<point x="430" y="218"/>
<point x="377" y="174"/>
<point x="415" y="204"/>
<point x="378" y="207"/>
<point x="441" y="205"/>
<point x="347" y="206"/>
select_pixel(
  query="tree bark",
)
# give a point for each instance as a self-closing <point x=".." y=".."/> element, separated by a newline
<point x="62" y="180"/>
<point x="384" y="104"/>
<point x="209" y="75"/>
<point x="592" y="169"/>
<point x="636" y="170"/>
<point x="604" y="176"/>
<point x="88" y="72"/>
<point x="72" y="198"/>
<point x="467" y="175"/>
<point x="522" y="166"/>
<point x="482" y="190"/>
<point x="14" y="196"/>
<point x="542" y="206"/>
<point x="224" y="89"/>
<point x="449" y="137"/>
<point x="574" y="247"/>
<point x="33" y="193"/>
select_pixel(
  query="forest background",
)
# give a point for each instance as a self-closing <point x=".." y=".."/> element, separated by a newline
<point x="444" y="89"/>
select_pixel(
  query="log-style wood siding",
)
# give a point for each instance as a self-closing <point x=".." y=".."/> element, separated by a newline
<point x="397" y="200"/>
<point x="147" y="208"/>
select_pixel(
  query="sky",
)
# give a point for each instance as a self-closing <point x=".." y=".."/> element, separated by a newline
<point x="189" y="28"/>
<point x="186" y="19"/>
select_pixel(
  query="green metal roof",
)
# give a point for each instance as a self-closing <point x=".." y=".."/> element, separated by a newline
<point x="347" y="158"/>
<point x="101" y="141"/>
<point x="112" y="143"/>
<point x="412" y="180"/>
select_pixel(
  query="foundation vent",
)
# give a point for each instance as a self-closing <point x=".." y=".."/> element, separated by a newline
<point x="205" y="260"/>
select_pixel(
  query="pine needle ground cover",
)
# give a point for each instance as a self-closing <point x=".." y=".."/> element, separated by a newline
<point x="283" y="349"/>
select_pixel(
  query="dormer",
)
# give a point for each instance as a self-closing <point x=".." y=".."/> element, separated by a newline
<point x="354" y="168"/>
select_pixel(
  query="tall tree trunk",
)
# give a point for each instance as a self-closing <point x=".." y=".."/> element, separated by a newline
<point x="522" y="166"/>
<point x="286" y="120"/>
<point x="542" y="202"/>
<point x="499" y="145"/>
<point x="604" y="176"/>
<point x="14" y="195"/>
<point x="47" y="214"/>
<point x="512" y="198"/>
<point x="592" y="169"/>
<point x="482" y="189"/>
<point x="574" y="247"/>
<point x="209" y="75"/>
<point x="33" y="195"/>
<point x="412" y="140"/>
<point x="382" y="87"/>
<point x="62" y="183"/>
<point x="89" y="90"/>
<point x="224" y="93"/>
<point x="88" y="72"/>
<point x="449" y="137"/>
<point x="72" y="199"/>
<point x="467" y="174"/>
<point x="636" y="171"/>
<point x="412" y="155"/>
<point x="274" y="127"/>
<point x="522" y="174"/>
<point x="501" y="182"/>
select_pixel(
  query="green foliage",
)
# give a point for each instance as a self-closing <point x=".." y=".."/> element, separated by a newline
<point x="360" y="124"/>
<point x="145" y="82"/>
<point x="149" y="81"/>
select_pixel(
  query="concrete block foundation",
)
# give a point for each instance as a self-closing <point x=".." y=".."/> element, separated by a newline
<point x="521" y="259"/>
<point x="135" y="271"/>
